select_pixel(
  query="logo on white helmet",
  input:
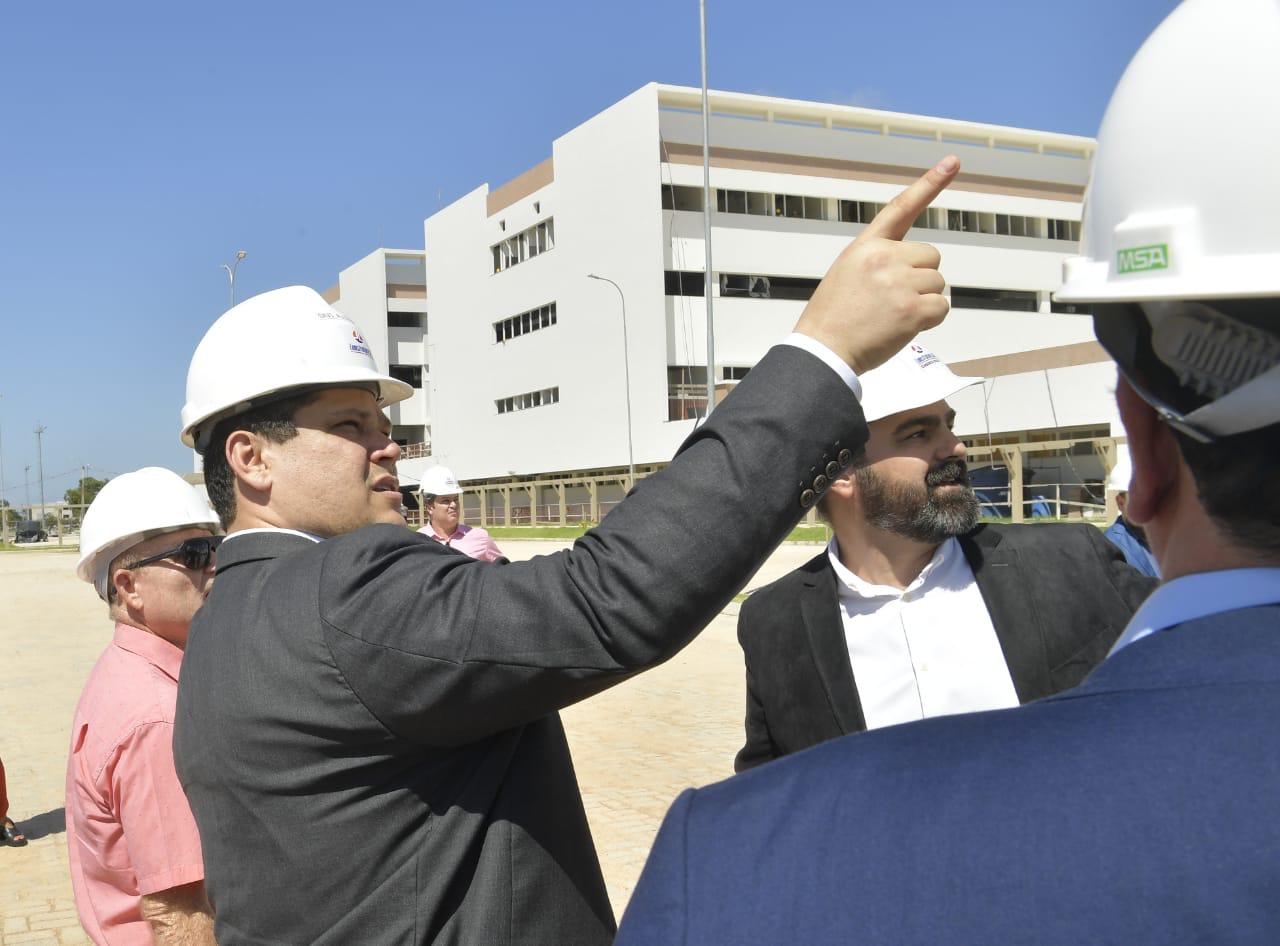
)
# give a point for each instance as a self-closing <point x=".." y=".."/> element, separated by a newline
<point x="358" y="343"/>
<point x="924" y="357"/>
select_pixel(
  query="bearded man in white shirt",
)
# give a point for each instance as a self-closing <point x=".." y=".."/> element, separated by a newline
<point x="915" y="609"/>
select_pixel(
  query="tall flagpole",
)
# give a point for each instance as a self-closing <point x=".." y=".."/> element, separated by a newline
<point x="706" y="217"/>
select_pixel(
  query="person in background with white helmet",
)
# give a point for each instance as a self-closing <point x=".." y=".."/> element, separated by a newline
<point x="147" y="546"/>
<point x="916" y="609"/>
<point x="367" y="725"/>
<point x="442" y="508"/>
<point x="1128" y="537"/>
<point x="1141" y="806"/>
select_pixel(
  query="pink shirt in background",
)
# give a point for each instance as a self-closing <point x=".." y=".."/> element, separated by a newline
<point x="472" y="540"/>
<point x="129" y="828"/>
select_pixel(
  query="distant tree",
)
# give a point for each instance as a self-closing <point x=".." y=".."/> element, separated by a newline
<point x="91" y="488"/>
<point x="7" y="515"/>
<point x="50" y="522"/>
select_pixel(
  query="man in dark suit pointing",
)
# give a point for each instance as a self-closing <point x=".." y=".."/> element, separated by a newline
<point x="367" y="725"/>
<point x="914" y="609"/>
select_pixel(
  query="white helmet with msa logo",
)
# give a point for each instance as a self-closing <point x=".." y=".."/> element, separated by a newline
<point x="1180" y="252"/>
<point x="274" y="345"/>
<point x="134" y="507"/>
<point x="1182" y="200"/>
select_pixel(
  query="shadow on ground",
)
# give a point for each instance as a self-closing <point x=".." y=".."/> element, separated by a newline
<point x="41" y="826"/>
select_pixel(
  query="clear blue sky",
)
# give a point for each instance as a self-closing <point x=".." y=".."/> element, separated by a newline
<point x="142" y="144"/>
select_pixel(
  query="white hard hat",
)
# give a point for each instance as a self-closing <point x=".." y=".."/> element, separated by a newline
<point x="1182" y="200"/>
<point x="1120" y="475"/>
<point x="1179" y="252"/>
<point x="440" y="481"/>
<point x="914" y="377"/>
<point x="134" y="507"/>
<point x="276" y="343"/>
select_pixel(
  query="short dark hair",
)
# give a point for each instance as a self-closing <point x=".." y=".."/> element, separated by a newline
<point x="273" y="420"/>
<point x="1235" y="481"/>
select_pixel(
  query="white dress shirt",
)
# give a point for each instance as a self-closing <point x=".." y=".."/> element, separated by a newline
<point x="1198" y="596"/>
<point x="305" y="535"/>
<point x="929" y="650"/>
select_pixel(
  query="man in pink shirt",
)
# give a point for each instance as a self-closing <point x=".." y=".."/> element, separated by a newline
<point x="442" y="508"/>
<point x="148" y="548"/>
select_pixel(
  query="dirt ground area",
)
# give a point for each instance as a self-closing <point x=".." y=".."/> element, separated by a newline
<point x="635" y="747"/>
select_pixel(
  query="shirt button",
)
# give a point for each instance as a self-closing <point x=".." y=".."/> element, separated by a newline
<point x="844" y="456"/>
<point x="807" y="498"/>
<point x="833" y="469"/>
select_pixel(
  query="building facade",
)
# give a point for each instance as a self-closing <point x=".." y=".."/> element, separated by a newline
<point x="385" y="293"/>
<point x="524" y="376"/>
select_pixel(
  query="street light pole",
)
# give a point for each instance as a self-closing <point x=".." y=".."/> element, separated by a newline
<point x="4" y="510"/>
<point x="231" y="273"/>
<point x="626" y="368"/>
<point x="40" y="429"/>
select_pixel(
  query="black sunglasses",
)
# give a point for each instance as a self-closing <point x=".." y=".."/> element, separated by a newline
<point x="194" y="554"/>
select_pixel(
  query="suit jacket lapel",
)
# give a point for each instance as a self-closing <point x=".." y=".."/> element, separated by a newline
<point x="820" y="611"/>
<point x="1010" y="600"/>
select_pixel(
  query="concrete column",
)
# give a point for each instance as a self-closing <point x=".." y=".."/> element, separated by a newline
<point x="506" y="505"/>
<point x="1014" y="462"/>
<point x="484" y="506"/>
<point x="564" y="518"/>
<point x="593" y="488"/>
<point x="1108" y="451"/>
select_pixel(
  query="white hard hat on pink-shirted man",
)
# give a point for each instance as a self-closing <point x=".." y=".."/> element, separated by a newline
<point x="134" y="507"/>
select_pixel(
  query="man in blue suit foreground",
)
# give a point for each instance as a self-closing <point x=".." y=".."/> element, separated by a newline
<point x="1144" y="805"/>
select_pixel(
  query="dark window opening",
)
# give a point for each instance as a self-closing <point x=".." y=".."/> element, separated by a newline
<point x="1007" y="300"/>
<point x="409" y="374"/>
<point x="683" y="283"/>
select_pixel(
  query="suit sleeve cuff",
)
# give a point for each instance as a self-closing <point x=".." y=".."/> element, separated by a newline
<point x="827" y="357"/>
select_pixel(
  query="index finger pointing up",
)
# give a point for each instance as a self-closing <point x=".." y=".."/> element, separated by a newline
<point x="893" y="222"/>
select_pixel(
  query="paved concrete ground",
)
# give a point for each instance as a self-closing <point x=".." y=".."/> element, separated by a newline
<point x="635" y="746"/>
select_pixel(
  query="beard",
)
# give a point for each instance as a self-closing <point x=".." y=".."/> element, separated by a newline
<point x="923" y="512"/>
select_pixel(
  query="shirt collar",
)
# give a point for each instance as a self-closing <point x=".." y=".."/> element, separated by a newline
<point x="458" y="533"/>
<point x="851" y="584"/>
<point x="305" y="535"/>
<point x="155" y="650"/>
<point x="1198" y="596"/>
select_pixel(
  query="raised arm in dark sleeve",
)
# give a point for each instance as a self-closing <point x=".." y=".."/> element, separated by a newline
<point x="445" y="650"/>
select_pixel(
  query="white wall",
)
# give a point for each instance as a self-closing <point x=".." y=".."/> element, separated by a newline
<point x="605" y="204"/>
<point x="605" y="201"/>
<point x="362" y="288"/>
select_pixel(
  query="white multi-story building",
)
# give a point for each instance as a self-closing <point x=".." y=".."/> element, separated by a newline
<point x="385" y="293"/>
<point x="528" y="378"/>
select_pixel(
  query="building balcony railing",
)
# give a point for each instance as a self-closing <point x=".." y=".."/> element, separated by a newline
<point x="414" y="451"/>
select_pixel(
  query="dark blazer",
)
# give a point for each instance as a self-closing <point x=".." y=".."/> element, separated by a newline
<point x="1139" y="807"/>
<point x="367" y="727"/>
<point x="1058" y="595"/>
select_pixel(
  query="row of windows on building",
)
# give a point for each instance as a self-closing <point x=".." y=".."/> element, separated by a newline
<point x="542" y="317"/>
<point x="525" y="245"/>
<point x="758" y="203"/>
<point x="523" y="402"/>
<point x="761" y="286"/>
